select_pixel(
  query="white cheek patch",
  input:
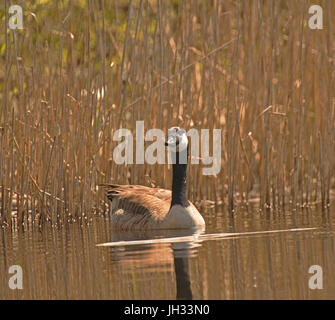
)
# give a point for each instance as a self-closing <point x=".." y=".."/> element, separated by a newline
<point x="172" y="147"/>
<point x="183" y="142"/>
<point x="171" y="141"/>
<point x="177" y="139"/>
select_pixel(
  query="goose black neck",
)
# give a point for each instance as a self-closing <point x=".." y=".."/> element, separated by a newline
<point x="179" y="179"/>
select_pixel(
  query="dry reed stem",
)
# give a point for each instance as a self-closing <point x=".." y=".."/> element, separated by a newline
<point x="253" y="69"/>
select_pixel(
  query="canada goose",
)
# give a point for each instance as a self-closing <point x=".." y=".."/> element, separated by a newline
<point x="136" y="207"/>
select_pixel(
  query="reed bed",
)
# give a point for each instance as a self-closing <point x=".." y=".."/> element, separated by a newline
<point x="79" y="70"/>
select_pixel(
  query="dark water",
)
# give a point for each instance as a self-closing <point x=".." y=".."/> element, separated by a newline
<point x="68" y="264"/>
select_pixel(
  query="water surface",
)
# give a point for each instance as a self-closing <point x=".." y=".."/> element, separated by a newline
<point x="66" y="263"/>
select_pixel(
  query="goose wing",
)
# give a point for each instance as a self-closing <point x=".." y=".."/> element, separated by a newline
<point x="159" y="193"/>
<point x="135" y="206"/>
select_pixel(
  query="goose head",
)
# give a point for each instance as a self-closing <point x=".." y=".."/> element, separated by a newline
<point x="177" y="138"/>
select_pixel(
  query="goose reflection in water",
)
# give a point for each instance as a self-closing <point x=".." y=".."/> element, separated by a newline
<point x="150" y="251"/>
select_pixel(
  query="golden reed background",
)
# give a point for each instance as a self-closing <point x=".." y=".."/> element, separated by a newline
<point x="252" y="68"/>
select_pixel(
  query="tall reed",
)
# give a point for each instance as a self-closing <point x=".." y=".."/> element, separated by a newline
<point x="79" y="70"/>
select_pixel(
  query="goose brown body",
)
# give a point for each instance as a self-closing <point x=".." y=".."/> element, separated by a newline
<point x="137" y="207"/>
